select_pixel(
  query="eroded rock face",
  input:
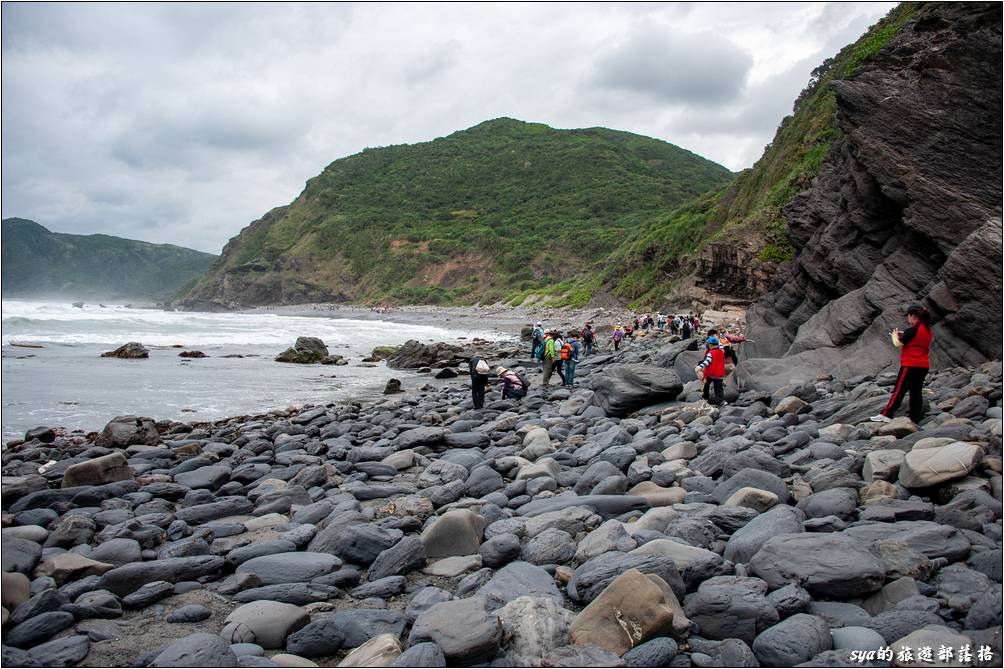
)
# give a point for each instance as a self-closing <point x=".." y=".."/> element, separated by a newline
<point x="894" y="217"/>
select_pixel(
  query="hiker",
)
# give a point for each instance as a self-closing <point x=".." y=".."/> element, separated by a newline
<point x="551" y="359"/>
<point x="588" y="337"/>
<point x="660" y="321"/>
<point x="685" y="328"/>
<point x="697" y="325"/>
<point x="616" y="336"/>
<point x="513" y="387"/>
<point x="479" y="380"/>
<point x="677" y="324"/>
<point x="914" y="360"/>
<point x="712" y="371"/>
<point x="570" y="358"/>
<point x="538" y="339"/>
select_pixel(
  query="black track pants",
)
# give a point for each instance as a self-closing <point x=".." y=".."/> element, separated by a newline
<point x="910" y="380"/>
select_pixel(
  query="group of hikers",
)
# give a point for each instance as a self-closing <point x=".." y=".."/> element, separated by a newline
<point x="560" y="354"/>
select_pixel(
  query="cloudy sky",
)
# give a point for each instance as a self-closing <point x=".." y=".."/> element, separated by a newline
<point x="181" y="123"/>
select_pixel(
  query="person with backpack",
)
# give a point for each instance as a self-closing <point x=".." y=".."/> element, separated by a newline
<point x="570" y="358"/>
<point x="915" y="362"/>
<point x="479" y="380"/>
<point x="616" y="336"/>
<point x="588" y="337"/>
<point x="514" y="385"/>
<point x="552" y="358"/>
<point x="712" y="372"/>
<point x="537" y="340"/>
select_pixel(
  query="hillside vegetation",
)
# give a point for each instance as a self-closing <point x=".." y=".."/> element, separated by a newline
<point x="479" y="215"/>
<point x="660" y="253"/>
<point x="40" y="263"/>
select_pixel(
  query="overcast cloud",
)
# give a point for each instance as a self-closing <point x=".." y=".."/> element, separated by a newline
<point x="182" y="123"/>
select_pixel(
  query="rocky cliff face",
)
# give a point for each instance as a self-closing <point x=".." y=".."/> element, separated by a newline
<point x="906" y="208"/>
<point x="734" y="269"/>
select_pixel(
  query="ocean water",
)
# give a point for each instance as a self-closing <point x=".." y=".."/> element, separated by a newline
<point x="66" y="383"/>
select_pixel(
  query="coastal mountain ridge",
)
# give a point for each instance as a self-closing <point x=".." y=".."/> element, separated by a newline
<point x="40" y="263"/>
<point x="476" y="216"/>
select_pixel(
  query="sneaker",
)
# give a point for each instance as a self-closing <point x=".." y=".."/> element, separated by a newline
<point x="879" y="418"/>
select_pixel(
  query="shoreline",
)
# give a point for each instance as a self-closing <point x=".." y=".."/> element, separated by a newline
<point x="415" y="517"/>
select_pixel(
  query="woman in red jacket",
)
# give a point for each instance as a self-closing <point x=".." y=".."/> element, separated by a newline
<point x="915" y="345"/>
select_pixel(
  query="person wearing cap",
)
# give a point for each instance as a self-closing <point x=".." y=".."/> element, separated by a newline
<point x="537" y="341"/>
<point x="914" y="360"/>
<point x="552" y="358"/>
<point x="712" y="368"/>
<point x="512" y="386"/>
<point x="479" y="380"/>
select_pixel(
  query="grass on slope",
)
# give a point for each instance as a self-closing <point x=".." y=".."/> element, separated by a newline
<point x="502" y="207"/>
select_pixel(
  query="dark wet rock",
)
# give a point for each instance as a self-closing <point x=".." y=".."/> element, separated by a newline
<point x="427" y="654"/>
<point x="751" y="478"/>
<point x="319" y="638"/>
<point x="734" y="653"/>
<point x="67" y="651"/>
<point x="607" y="506"/>
<point x="552" y="546"/>
<point x="746" y="541"/>
<point x="930" y="538"/>
<point x="593" y="576"/>
<point x="790" y="599"/>
<point x="96" y="604"/>
<point x="20" y="555"/>
<point x="132" y="349"/>
<point x="196" y="650"/>
<point x="621" y="389"/>
<point x="464" y="629"/>
<point x="792" y="641"/>
<point x="894" y="625"/>
<point x="830" y="564"/>
<point x="192" y="613"/>
<point x="127" y="578"/>
<point x="123" y="431"/>
<point x="289" y="593"/>
<point x="401" y="558"/>
<point x="147" y="594"/>
<point x="658" y="652"/>
<point x="359" y="544"/>
<point x="42" y="602"/>
<point x="360" y="625"/>
<point x="38" y="629"/>
<point x="221" y="508"/>
<point x="499" y="550"/>
<point x="293" y="567"/>
<point x="723" y="612"/>
<point x="306" y="350"/>
<point x="519" y="579"/>
<point x="382" y="588"/>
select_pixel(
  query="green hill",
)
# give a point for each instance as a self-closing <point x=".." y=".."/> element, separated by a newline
<point x="479" y="215"/>
<point x="40" y="263"/>
<point x="745" y="219"/>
